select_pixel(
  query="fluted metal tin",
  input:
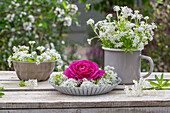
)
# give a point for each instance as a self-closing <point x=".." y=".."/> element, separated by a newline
<point x="85" y="91"/>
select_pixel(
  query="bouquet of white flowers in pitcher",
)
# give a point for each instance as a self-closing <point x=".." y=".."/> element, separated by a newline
<point x="130" y="31"/>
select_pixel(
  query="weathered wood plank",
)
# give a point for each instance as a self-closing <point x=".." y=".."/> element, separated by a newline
<point x="8" y="76"/>
<point x="94" y="110"/>
<point x="41" y="111"/>
<point x="54" y="99"/>
<point x="11" y="86"/>
<point x="11" y="75"/>
<point x="42" y="86"/>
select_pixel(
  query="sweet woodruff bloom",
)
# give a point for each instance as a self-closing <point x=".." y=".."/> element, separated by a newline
<point x="21" y="53"/>
<point x="90" y="21"/>
<point x="31" y="42"/>
<point x="130" y="30"/>
<point x="137" y="88"/>
<point x="31" y="83"/>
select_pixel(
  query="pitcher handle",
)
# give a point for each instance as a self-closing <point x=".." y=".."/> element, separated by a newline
<point x="150" y="63"/>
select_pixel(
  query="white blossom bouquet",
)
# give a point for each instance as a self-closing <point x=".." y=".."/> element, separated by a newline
<point x="130" y="31"/>
<point x="22" y="53"/>
<point x="84" y="73"/>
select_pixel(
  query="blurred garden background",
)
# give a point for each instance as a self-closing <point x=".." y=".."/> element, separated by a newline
<point x="61" y="24"/>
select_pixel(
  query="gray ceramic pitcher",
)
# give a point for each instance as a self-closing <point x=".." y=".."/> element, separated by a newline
<point x="127" y="66"/>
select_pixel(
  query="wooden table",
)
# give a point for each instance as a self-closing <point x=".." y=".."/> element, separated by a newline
<point x="45" y="99"/>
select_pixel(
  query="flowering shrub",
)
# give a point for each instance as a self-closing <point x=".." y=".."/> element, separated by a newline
<point x="107" y="78"/>
<point x="130" y="31"/>
<point x="40" y="20"/>
<point x="21" y="53"/>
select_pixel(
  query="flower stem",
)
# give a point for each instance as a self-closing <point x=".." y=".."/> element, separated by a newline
<point x="9" y="83"/>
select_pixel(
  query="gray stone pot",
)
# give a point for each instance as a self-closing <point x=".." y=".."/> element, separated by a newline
<point x="127" y="66"/>
<point x="30" y="70"/>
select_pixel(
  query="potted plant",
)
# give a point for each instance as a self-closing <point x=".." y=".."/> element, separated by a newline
<point x="123" y="40"/>
<point x="30" y="65"/>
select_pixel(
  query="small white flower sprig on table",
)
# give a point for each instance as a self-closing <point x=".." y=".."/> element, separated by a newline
<point x="130" y="31"/>
<point x="22" y="53"/>
<point x="30" y="83"/>
<point x="143" y="86"/>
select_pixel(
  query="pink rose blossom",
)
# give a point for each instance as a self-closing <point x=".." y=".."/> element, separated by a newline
<point x="80" y="69"/>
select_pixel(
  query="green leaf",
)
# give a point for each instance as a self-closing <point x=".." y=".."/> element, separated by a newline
<point x="165" y="84"/>
<point x="44" y="24"/>
<point x="30" y="60"/>
<point x="162" y="76"/>
<point x="88" y="6"/>
<point x="64" y="4"/>
<point x="154" y="84"/>
<point x="148" y="88"/>
<point x="1" y="94"/>
<point x="22" y="83"/>
<point x="1" y="88"/>
<point x="126" y="51"/>
<point x="35" y="57"/>
<point x="131" y="51"/>
<point x="157" y="79"/>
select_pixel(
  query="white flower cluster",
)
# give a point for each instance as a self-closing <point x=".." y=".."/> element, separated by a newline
<point x="40" y="48"/>
<point x="88" y="83"/>
<point x="58" y="78"/>
<point x="21" y="53"/>
<point x="124" y="33"/>
<point x="61" y="14"/>
<point x="27" y="26"/>
<point x="137" y="88"/>
<point x="69" y="83"/>
<point x="67" y="21"/>
<point x="31" y="42"/>
<point x="31" y="83"/>
<point x="108" y="79"/>
<point x="10" y="17"/>
<point x="72" y="9"/>
<point x="49" y="55"/>
<point x="90" y="21"/>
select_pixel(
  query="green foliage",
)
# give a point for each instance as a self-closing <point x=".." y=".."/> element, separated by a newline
<point x="22" y="21"/>
<point x="160" y="84"/>
<point x="22" y="83"/>
<point x="1" y="94"/>
<point x="107" y="5"/>
<point x="159" y="49"/>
